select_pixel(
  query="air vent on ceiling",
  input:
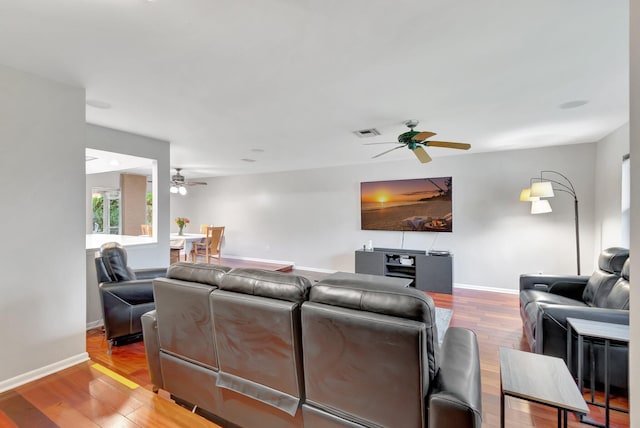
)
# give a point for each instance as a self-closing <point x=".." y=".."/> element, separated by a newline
<point x="247" y="160"/>
<point x="364" y="133"/>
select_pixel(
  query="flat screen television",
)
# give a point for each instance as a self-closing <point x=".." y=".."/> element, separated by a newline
<point x="421" y="204"/>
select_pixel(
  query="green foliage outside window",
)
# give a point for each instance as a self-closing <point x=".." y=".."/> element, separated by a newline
<point x="98" y="213"/>
<point x="149" y="208"/>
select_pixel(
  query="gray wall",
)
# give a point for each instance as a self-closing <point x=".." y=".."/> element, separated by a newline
<point x="42" y="128"/>
<point x="313" y="217"/>
<point x="608" y="186"/>
<point x="634" y="116"/>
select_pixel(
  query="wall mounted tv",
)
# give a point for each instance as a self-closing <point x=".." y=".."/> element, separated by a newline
<point x="421" y="204"/>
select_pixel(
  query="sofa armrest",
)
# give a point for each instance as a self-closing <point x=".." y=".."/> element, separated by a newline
<point x="570" y="289"/>
<point x="551" y="324"/>
<point x="150" y="273"/>
<point x="455" y="398"/>
<point x="560" y="313"/>
<point x="131" y="292"/>
<point x="152" y="348"/>
<point x="543" y="282"/>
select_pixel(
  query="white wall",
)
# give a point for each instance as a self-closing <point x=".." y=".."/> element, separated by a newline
<point x="112" y="140"/>
<point x="42" y="326"/>
<point x="634" y="116"/>
<point x="313" y="217"/>
<point x="608" y="186"/>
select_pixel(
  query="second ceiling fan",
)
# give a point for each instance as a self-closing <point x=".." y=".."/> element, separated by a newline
<point x="179" y="183"/>
<point x="416" y="142"/>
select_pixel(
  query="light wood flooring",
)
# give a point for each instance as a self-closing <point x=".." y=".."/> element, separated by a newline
<point x="82" y="396"/>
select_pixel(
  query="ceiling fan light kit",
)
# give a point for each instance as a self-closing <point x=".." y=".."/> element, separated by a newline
<point x="179" y="183"/>
<point x="416" y="141"/>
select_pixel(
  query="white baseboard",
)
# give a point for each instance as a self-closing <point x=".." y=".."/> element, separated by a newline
<point x="485" y="288"/>
<point x="94" y="324"/>
<point x="254" y="259"/>
<point x="42" y="372"/>
<point x="311" y="269"/>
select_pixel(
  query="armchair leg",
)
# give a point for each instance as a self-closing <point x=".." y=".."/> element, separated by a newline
<point x="109" y="346"/>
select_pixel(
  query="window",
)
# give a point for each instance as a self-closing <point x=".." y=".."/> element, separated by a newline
<point x="106" y="211"/>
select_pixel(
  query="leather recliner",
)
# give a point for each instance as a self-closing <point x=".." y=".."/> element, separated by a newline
<point x="372" y="359"/>
<point x="125" y="294"/>
<point x="546" y="301"/>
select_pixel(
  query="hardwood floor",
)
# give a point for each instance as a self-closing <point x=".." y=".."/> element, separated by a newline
<point x="82" y="396"/>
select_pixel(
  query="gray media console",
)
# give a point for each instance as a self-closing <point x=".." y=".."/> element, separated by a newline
<point x="428" y="272"/>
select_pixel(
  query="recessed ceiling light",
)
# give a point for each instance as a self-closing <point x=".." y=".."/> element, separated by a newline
<point x="573" y="104"/>
<point x="247" y="160"/>
<point x="257" y="150"/>
<point x="98" y="104"/>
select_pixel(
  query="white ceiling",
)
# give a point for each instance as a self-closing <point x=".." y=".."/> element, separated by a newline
<point x="294" y="78"/>
<point x="98" y="161"/>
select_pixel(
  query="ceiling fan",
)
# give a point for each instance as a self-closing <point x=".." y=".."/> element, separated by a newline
<point x="179" y="183"/>
<point x="416" y="141"/>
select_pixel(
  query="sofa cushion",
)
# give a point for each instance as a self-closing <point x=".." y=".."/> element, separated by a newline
<point x="375" y="297"/>
<point x="598" y="288"/>
<point x="612" y="259"/>
<point x="618" y="297"/>
<point x="537" y="296"/>
<point x="384" y="299"/>
<point x="203" y="273"/>
<point x="610" y="264"/>
<point x="275" y="285"/>
<point x="115" y="262"/>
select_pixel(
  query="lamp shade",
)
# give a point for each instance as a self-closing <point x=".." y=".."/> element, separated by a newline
<point x="540" y="207"/>
<point x="173" y="189"/>
<point x="525" y="196"/>
<point x="542" y="189"/>
<point x="182" y="190"/>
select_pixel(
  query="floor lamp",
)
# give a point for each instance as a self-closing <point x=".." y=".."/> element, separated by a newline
<point x="544" y="187"/>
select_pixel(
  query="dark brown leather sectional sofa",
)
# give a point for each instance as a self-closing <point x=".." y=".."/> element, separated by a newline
<point x="253" y="348"/>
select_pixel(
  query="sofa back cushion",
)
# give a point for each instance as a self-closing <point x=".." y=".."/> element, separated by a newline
<point x="376" y="343"/>
<point x="275" y="285"/>
<point x="202" y="273"/>
<point x="112" y="264"/>
<point x="618" y="298"/>
<point x="185" y="327"/>
<point x="257" y="332"/>
<point x="599" y="285"/>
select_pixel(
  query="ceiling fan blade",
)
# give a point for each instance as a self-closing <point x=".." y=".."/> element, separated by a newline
<point x="421" y="136"/>
<point x="194" y="183"/>
<point x="384" y="153"/>
<point x="421" y="154"/>
<point x="448" y="144"/>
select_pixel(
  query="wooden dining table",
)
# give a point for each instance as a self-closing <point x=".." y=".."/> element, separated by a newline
<point x="189" y="239"/>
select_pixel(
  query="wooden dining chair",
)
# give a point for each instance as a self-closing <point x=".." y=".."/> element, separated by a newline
<point x="211" y="247"/>
<point x="146" y="229"/>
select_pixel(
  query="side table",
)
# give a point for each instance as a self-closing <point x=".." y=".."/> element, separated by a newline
<point x="595" y="331"/>
<point x="540" y="379"/>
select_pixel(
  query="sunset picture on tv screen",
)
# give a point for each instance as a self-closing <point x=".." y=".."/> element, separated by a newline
<point x="422" y="204"/>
